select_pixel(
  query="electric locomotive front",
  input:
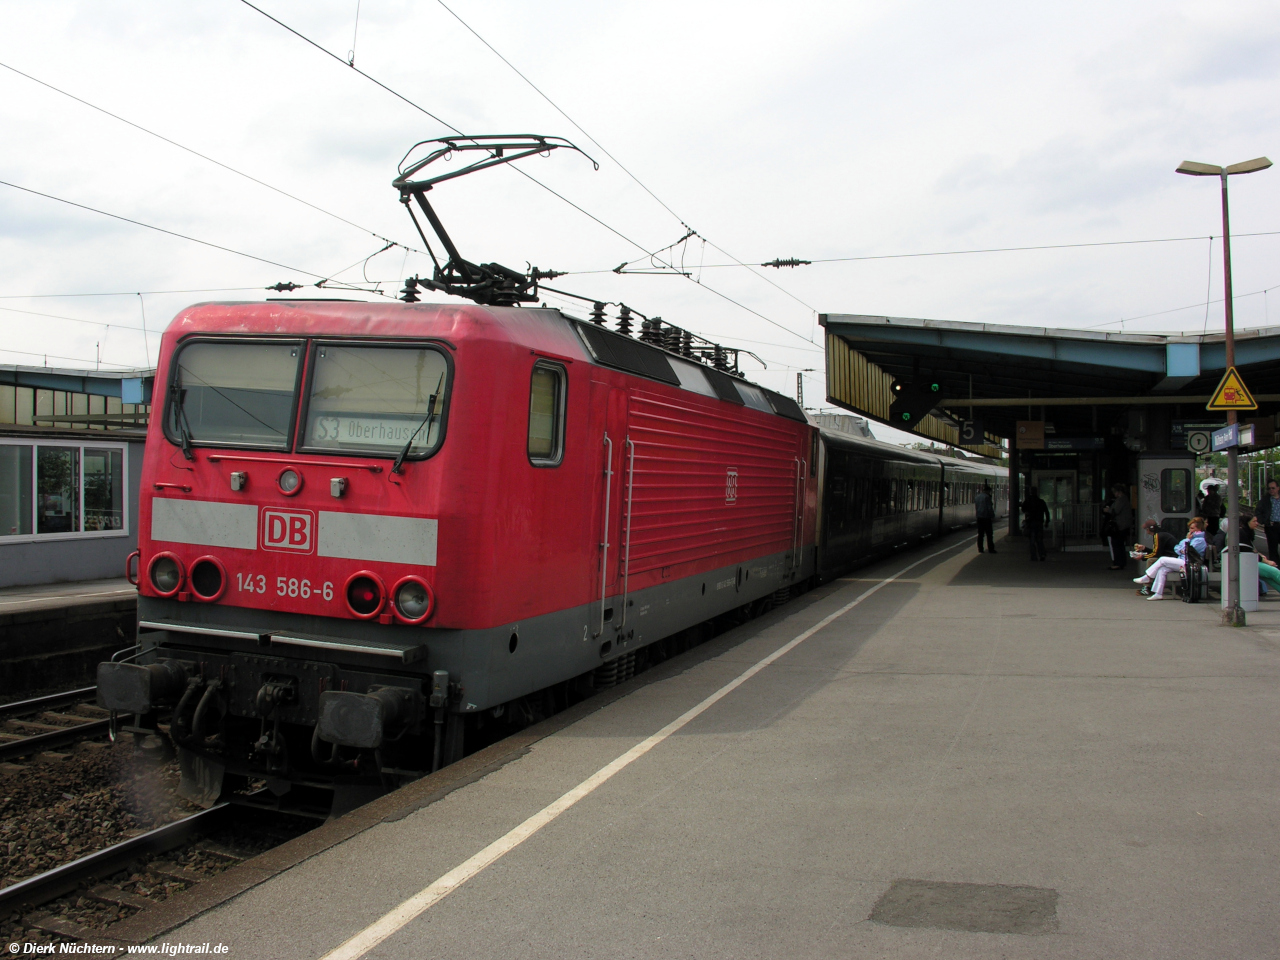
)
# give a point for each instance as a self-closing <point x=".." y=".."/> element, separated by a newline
<point x="362" y="523"/>
<point x="296" y="478"/>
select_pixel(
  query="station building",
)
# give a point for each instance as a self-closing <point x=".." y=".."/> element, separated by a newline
<point x="1075" y="411"/>
<point x="70" y="464"/>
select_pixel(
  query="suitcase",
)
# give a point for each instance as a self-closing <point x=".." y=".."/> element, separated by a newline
<point x="1194" y="587"/>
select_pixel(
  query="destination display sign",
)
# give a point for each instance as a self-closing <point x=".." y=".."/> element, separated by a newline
<point x="366" y="432"/>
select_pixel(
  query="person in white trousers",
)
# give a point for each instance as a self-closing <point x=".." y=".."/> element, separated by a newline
<point x="1158" y="573"/>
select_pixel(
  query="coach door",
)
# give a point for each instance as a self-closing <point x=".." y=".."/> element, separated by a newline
<point x="1166" y="492"/>
<point x="608" y="527"/>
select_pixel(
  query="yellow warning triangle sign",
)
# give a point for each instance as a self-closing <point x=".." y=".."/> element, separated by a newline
<point x="1232" y="394"/>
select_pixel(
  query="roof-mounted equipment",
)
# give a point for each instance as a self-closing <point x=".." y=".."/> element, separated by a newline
<point x="489" y="284"/>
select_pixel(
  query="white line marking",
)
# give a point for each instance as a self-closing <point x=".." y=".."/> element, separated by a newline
<point x="429" y="896"/>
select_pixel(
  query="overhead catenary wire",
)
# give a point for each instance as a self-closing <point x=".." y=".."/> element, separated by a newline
<point x="445" y="123"/>
<point x="123" y="293"/>
<point x="621" y="166"/>
<point x="172" y="233"/>
<point x="32" y="353"/>
<point x="956" y="253"/>
<point x="1190" y="306"/>
<point x="202" y="156"/>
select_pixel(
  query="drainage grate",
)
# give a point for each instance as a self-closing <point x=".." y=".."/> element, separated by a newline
<point x="971" y="907"/>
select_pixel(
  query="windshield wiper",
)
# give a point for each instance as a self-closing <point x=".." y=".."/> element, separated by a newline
<point x="176" y="397"/>
<point x="426" y="422"/>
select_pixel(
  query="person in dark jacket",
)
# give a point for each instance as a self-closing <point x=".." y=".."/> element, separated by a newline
<point x="1268" y="514"/>
<point x="1213" y="510"/>
<point x="1036" y="512"/>
<point x="1162" y="545"/>
<point x="984" y="509"/>
<point x="1120" y="514"/>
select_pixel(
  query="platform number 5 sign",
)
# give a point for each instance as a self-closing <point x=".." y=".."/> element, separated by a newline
<point x="731" y="485"/>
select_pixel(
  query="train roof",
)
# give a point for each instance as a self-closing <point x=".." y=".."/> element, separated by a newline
<point x="567" y="335"/>
<point x="890" y="451"/>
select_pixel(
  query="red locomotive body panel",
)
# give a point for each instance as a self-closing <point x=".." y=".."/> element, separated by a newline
<point x="714" y="484"/>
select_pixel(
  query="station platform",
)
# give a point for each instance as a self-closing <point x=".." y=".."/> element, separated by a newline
<point x="945" y="754"/>
<point x="61" y="596"/>
<point x="54" y="635"/>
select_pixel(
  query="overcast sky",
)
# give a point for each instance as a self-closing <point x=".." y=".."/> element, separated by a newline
<point x="815" y="130"/>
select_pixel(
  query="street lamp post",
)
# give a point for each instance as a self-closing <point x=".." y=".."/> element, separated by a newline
<point x="1233" y="615"/>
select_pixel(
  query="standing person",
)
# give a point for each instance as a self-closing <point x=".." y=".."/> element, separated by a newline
<point x="1037" y="513"/>
<point x="985" y="510"/>
<point x="1212" y="509"/>
<point x="1121" y="513"/>
<point x="1269" y="518"/>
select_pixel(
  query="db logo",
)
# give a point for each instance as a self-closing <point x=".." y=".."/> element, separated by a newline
<point x="288" y="530"/>
<point x="731" y="485"/>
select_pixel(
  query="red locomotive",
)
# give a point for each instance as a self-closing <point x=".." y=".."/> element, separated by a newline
<point x="366" y="528"/>
<point x="355" y="515"/>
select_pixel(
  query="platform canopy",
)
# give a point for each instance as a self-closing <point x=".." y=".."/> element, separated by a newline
<point x="999" y="374"/>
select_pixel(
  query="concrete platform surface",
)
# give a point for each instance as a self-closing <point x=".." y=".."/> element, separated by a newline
<point x="984" y="758"/>
<point x="60" y="596"/>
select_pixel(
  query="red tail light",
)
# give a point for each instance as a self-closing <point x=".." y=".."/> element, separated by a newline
<point x="365" y="594"/>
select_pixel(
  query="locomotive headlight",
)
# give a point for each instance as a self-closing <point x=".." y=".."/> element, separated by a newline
<point x="166" y="574"/>
<point x="413" y="600"/>
<point x="289" y="482"/>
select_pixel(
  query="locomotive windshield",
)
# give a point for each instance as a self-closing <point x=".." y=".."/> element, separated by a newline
<point x="234" y="392"/>
<point x="376" y="399"/>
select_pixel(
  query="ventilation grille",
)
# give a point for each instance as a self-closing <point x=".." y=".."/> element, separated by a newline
<point x="615" y="350"/>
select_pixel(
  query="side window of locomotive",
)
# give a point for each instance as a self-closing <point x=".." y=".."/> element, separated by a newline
<point x="233" y="393"/>
<point x="546" y="414"/>
<point x="377" y="400"/>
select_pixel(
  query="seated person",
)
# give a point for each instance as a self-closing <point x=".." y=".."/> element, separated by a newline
<point x="1161" y="543"/>
<point x="1248" y="527"/>
<point x="1158" y="572"/>
<point x="1268" y="571"/>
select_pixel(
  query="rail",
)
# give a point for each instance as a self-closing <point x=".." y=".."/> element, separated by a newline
<point x="43" y="887"/>
<point x="626" y="543"/>
<point x="604" y="543"/>
<point x="15" y="742"/>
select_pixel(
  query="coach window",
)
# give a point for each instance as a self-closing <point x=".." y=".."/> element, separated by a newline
<point x="1175" y="491"/>
<point x="546" y="414"/>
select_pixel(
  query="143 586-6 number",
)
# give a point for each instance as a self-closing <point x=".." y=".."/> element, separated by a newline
<point x="285" y="586"/>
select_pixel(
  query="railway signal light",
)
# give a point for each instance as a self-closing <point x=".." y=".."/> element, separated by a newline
<point x="912" y="402"/>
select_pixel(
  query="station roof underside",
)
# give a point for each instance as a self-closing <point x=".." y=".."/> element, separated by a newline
<point x="1004" y="367"/>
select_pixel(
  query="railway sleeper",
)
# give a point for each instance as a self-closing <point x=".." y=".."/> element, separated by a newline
<point x="106" y="893"/>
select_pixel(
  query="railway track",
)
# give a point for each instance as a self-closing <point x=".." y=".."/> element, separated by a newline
<point x="43" y="887"/>
<point x="45" y="723"/>
<point x="81" y="900"/>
